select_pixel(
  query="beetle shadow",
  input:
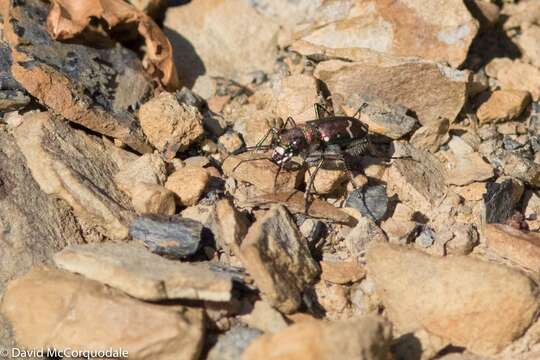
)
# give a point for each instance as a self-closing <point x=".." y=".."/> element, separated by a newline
<point x="188" y="63"/>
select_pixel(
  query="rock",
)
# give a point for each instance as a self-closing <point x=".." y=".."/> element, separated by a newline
<point x="531" y="204"/>
<point x="333" y="299"/>
<point x="75" y="167"/>
<point x="515" y="75"/>
<point x="500" y="199"/>
<point x="522" y="247"/>
<point x="438" y="32"/>
<point x="153" y="199"/>
<point x="362" y="338"/>
<point x="465" y="238"/>
<point x="382" y="118"/>
<point x="296" y="96"/>
<point x="252" y="123"/>
<point x="189" y="184"/>
<point x="149" y="169"/>
<point x="259" y="170"/>
<point x="231" y="141"/>
<point x="171" y="126"/>
<point x="432" y="91"/>
<point x="503" y="105"/>
<point x="327" y="180"/>
<point x="426" y="237"/>
<point x="225" y="38"/>
<point x="74" y="80"/>
<point x="371" y="201"/>
<point x="143" y="275"/>
<point x="418" y="178"/>
<point x="171" y="237"/>
<point x="457" y="298"/>
<point x="154" y="8"/>
<point x="399" y="230"/>
<point x="265" y="318"/>
<point x="360" y="237"/>
<point x="12" y="94"/>
<point x="472" y="192"/>
<point x="522" y="169"/>
<point x="488" y="13"/>
<point x="278" y="259"/>
<point x="232" y="344"/>
<point x="469" y="167"/>
<point x="52" y="308"/>
<point x="294" y="201"/>
<point x="287" y="13"/>
<point x="528" y="43"/>
<point x="342" y="272"/>
<point x="232" y="226"/>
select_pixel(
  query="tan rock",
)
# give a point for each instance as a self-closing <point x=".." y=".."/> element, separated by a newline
<point x="366" y="338"/>
<point x="359" y="181"/>
<point x="432" y="91"/>
<point x="259" y="170"/>
<point x="253" y="123"/>
<point x="326" y="181"/>
<point x="515" y="75"/>
<point x="53" y="308"/>
<point x="154" y="8"/>
<point x="503" y="105"/>
<point x="169" y="125"/>
<point x="342" y="272"/>
<point x="75" y="167"/>
<point x="153" y="199"/>
<point x="143" y="275"/>
<point x="431" y="137"/>
<point x="471" y="192"/>
<point x="522" y="247"/>
<point x="231" y="141"/>
<point x="469" y="166"/>
<point x="278" y="259"/>
<point x="333" y="299"/>
<point x="188" y="183"/>
<point x="296" y="96"/>
<point x="227" y="38"/>
<point x="232" y="226"/>
<point x="529" y="43"/>
<point x="265" y="318"/>
<point x="458" y="298"/>
<point x="149" y="168"/>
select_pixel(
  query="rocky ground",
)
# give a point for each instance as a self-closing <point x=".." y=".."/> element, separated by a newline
<point x="129" y="218"/>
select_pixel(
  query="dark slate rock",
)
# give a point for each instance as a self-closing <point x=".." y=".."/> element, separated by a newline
<point x="12" y="95"/>
<point x="232" y="344"/>
<point x="499" y="201"/>
<point x="171" y="237"/>
<point x="371" y="201"/>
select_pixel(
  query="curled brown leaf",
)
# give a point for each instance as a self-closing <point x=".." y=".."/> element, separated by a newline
<point x="68" y="19"/>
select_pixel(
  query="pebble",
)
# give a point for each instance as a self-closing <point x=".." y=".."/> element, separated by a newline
<point x="171" y="237"/>
<point x="426" y="238"/>
<point x="149" y="169"/>
<point x="188" y="183"/>
<point x="231" y="141"/>
<point x="371" y="201"/>
<point x="153" y="199"/>
<point x="503" y="105"/>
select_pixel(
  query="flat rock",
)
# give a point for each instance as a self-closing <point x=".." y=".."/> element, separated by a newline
<point x="503" y="105"/>
<point x="279" y="261"/>
<point x="361" y="338"/>
<point x="143" y="275"/>
<point x="434" y="92"/>
<point x="441" y="32"/>
<point x="171" y="237"/>
<point x="231" y="345"/>
<point x="258" y="170"/>
<point x="220" y="38"/>
<point x="371" y="201"/>
<point x="501" y="198"/>
<point x="458" y="298"/>
<point x="75" y="167"/>
<point x="522" y="247"/>
<point x="342" y="272"/>
<point x="188" y="183"/>
<point x="96" y="88"/>
<point x="515" y="75"/>
<point x="171" y="126"/>
<point x="382" y="118"/>
<point x="294" y="202"/>
<point x="53" y="308"/>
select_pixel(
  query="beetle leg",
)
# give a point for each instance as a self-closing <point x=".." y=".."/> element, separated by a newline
<point x="359" y="111"/>
<point x="289" y="120"/>
<point x="310" y="184"/>
<point x="319" y="108"/>
<point x="339" y="157"/>
<point x="248" y="160"/>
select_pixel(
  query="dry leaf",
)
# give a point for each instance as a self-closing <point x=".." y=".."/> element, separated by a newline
<point x="69" y="18"/>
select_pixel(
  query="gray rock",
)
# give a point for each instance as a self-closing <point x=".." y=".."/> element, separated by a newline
<point x="232" y="344"/>
<point x="12" y="95"/>
<point x="171" y="237"/>
<point x="370" y="201"/>
<point x="426" y="238"/>
<point x="501" y="199"/>
<point x="522" y="168"/>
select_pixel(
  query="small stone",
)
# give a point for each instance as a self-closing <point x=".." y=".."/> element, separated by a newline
<point x="399" y="230"/>
<point x="265" y="318"/>
<point x="458" y="298"/>
<point x="252" y="123"/>
<point x="426" y="238"/>
<point x="521" y="247"/>
<point x="333" y="299"/>
<point x="342" y="272"/>
<point x="231" y="141"/>
<point x="296" y="96"/>
<point x="362" y="235"/>
<point x="522" y="169"/>
<point x="169" y="125"/>
<point x="503" y="105"/>
<point x="85" y="317"/>
<point x="258" y="170"/>
<point x="232" y="344"/>
<point x="153" y="199"/>
<point x="469" y="165"/>
<point x="149" y="169"/>
<point x="143" y="275"/>
<point x="278" y="259"/>
<point x="515" y="75"/>
<point x="326" y="181"/>
<point x="358" y="182"/>
<point x="231" y="226"/>
<point x="431" y="137"/>
<point x="189" y="184"/>
<point x="209" y="147"/>
<point x="501" y="198"/>
<point x="366" y="338"/>
<point x="371" y="201"/>
<point x="465" y="238"/>
<point x="171" y="237"/>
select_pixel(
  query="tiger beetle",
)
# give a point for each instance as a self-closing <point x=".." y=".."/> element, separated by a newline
<point x="329" y="138"/>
